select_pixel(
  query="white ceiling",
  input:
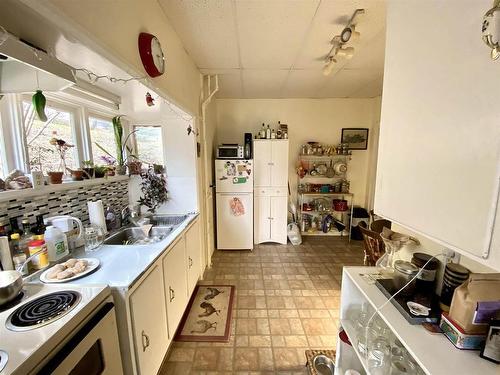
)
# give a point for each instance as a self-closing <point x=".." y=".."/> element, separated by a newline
<point x="276" y="48"/>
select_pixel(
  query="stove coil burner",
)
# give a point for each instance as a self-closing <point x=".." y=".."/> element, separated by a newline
<point x="4" y="357"/>
<point x="42" y="310"/>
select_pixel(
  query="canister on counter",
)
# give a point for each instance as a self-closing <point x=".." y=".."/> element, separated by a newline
<point x="426" y="280"/>
<point x="454" y="275"/>
<point x="42" y="259"/>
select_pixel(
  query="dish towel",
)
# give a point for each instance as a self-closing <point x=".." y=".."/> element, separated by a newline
<point x="236" y="206"/>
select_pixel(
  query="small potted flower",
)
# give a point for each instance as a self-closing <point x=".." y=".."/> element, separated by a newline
<point x="109" y="161"/>
<point x="61" y="147"/>
<point x="100" y="171"/>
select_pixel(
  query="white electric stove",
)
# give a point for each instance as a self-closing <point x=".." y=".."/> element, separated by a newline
<point x="58" y="329"/>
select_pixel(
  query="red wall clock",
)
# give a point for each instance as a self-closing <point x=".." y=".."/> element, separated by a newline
<point x="151" y="54"/>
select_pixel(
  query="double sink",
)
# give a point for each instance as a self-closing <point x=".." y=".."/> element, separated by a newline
<point x="163" y="225"/>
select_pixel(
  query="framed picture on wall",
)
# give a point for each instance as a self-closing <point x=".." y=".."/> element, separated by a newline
<point x="357" y="138"/>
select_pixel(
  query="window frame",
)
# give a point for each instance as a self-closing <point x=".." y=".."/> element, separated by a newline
<point x="134" y="139"/>
<point x="100" y="115"/>
<point x="58" y="104"/>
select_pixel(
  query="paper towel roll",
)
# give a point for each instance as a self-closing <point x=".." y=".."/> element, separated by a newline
<point x="96" y="214"/>
<point x="5" y="256"/>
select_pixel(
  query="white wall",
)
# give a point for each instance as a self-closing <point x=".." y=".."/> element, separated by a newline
<point x="308" y="120"/>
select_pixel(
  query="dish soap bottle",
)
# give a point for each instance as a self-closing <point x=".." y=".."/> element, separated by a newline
<point x="57" y="243"/>
<point x="268" y="132"/>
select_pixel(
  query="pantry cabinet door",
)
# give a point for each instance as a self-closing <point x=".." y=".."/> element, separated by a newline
<point x="193" y="254"/>
<point x="175" y="278"/>
<point x="149" y="322"/>
<point x="262" y="163"/>
<point x="262" y="212"/>
<point x="279" y="163"/>
<point x="279" y="219"/>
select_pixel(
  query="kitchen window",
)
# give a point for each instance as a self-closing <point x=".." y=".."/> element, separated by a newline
<point x="149" y="144"/>
<point x="60" y="124"/>
<point x="101" y="134"/>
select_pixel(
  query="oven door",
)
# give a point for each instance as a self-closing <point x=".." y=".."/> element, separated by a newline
<point x="93" y="350"/>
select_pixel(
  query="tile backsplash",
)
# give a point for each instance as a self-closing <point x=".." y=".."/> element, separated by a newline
<point x="68" y="202"/>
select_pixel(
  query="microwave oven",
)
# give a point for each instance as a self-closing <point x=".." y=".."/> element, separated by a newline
<point x="229" y="151"/>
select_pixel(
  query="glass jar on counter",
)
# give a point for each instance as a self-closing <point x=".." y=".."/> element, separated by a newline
<point x="41" y="260"/>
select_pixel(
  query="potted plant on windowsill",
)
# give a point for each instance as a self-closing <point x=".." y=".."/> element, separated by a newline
<point x="121" y="146"/>
<point x="61" y="147"/>
<point x="100" y="171"/>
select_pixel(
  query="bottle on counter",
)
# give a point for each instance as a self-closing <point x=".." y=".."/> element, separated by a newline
<point x="268" y="132"/>
<point x="273" y="134"/>
<point x="18" y="256"/>
<point x="14" y="226"/>
<point x="262" y="133"/>
<point x="26" y="236"/>
<point x="39" y="228"/>
<point x="4" y="231"/>
<point x="57" y="243"/>
<point x="41" y="260"/>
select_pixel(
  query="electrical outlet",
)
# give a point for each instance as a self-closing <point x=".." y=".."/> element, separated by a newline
<point x="451" y="256"/>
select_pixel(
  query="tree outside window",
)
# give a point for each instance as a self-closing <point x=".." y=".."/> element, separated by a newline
<point x="149" y="144"/>
<point x="101" y="132"/>
<point x="42" y="154"/>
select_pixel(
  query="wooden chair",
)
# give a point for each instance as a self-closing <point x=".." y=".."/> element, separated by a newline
<point x="378" y="225"/>
<point x="374" y="246"/>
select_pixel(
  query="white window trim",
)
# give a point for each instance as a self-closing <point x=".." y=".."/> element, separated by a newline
<point x="134" y="139"/>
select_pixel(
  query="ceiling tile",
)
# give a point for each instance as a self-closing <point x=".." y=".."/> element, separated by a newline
<point x="346" y="82"/>
<point x="271" y="32"/>
<point x="370" y="89"/>
<point x="303" y="83"/>
<point x="263" y="83"/>
<point x="370" y="55"/>
<point x="207" y="31"/>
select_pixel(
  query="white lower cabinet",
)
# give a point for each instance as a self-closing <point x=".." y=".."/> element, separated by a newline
<point x="149" y="322"/>
<point x="157" y="302"/>
<point x="193" y="255"/>
<point x="175" y="277"/>
<point x="270" y="218"/>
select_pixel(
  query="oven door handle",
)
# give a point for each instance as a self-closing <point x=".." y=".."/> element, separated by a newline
<point x="145" y="341"/>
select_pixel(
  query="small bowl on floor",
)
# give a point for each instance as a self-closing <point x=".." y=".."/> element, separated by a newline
<point x="323" y="365"/>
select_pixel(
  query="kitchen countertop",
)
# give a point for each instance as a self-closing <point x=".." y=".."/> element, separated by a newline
<point x="122" y="265"/>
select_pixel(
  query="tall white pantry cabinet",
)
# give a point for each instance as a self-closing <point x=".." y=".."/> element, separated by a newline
<point x="270" y="190"/>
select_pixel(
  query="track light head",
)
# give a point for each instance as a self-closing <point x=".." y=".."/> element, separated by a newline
<point x="328" y="68"/>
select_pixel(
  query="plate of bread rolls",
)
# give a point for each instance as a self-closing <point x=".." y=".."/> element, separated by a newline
<point x="71" y="269"/>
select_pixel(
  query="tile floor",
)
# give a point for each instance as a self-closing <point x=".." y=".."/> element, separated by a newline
<point x="287" y="301"/>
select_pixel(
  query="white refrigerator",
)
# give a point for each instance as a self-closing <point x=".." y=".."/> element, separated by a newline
<point x="234" y="202"/>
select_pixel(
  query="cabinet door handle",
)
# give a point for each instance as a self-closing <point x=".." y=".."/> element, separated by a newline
<point x="270" y="218"/>
<point x="172" y="293"/>
<point x="190" y="262"/>
<point x="145" y="341"/>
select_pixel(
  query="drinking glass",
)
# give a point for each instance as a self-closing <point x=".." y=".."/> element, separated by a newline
<point x="379" y="356"/>
<point x="400" y="365"/>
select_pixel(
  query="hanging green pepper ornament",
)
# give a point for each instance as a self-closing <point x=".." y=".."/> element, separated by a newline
<point x="39" y="102"/>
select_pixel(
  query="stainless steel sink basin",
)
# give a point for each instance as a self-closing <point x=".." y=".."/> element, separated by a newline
<point x="136" y="236"/>
<point x="167" y="219"/>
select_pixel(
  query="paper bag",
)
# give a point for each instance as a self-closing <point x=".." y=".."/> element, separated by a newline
<point x="476" y="302"/>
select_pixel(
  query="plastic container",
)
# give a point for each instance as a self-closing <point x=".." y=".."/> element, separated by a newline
<point x="293" y="232"/>
<point x="42" y="259"/>
<point x="57" y="243"/>
<point x="427" y="277"/>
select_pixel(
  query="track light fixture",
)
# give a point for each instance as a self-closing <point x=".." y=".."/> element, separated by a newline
<point x="348" y="34"/>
